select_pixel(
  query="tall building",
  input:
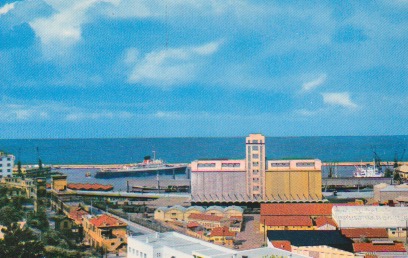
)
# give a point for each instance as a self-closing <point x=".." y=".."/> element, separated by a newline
<point x="6" y="164"/>
<point x="255" y="179"/>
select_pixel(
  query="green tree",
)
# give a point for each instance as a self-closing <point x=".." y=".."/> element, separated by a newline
<point x="20" y="243"/>
<point x="9" y="215"/>
<point x="388" y="173"/>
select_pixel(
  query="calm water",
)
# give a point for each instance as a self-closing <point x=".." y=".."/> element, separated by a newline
<point x="128" y="150"/>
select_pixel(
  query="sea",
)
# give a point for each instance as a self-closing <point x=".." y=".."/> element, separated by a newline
<point x="185" y="150"/>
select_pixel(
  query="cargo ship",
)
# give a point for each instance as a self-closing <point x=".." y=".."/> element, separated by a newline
<point x="147" y="167"/>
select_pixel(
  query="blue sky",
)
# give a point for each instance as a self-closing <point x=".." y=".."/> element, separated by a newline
<point x="121" y="68"/>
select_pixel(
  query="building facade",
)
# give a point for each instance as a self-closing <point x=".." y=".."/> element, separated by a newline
<point x="6" y="164"/>
<point x="255" y="179"/>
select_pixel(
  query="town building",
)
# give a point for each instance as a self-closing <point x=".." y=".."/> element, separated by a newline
<point x="393" y="219"/>
<point x="256" y="179"/>
<point x="212" y="217"/>
<point x="172" y="244"/>
<point x="6" y="164"/>
<point x="105" y="232"/>
<point x="380" y="249"/>
<point x="385" y="193"/>
<point x="19" y="187"/>
<point x="402" y="171"/>
<point x="296" y="216"/>
<point x="365" y="234"/>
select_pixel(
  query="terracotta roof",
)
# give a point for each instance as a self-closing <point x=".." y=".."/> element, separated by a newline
<point x="321" y="221"/>
<point x="89" y="187"/>
<point x="192" y="224"/>
<point x="370" y="247"/>
<point x="282" y="244"/>
<point x="106" y="221"/>
<point x="222" y="231"/>
<point x="286" y="220"/>
<point x="297" y="209"/>
<point x="197" y="216"/>
<point x="77" y="214"/>
<point x="366" y="232"/>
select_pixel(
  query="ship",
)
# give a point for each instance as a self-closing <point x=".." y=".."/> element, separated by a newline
<point x="367" y="171"/>
<point x="147" y="167"/>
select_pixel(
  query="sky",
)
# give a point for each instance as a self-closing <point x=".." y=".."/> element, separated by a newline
<point x="189" y="68"/>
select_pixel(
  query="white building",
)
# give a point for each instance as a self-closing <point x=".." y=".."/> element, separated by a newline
<point x="6" y="164"/>
<point x="394" y="219"/>
<point x="176" y="245"/>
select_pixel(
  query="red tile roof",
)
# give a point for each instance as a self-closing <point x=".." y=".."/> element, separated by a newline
<point x="282" y="244"/>
<point x="192" y="224"/>
<point x="89" y="187"/>
<point x="321" y="221"/>
<point x="297" y="209"/>
<point x="286" y="221"/>
<point x="365" y="232"/>
<point x="371" y="248"/>
<point x="77" y="214"/>
<point x="198" y="216"/>
<point x="107" y="221"/>
<point x="222" y="231"/>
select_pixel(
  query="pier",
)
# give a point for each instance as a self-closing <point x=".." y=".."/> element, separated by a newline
<point x="355" y="181"/>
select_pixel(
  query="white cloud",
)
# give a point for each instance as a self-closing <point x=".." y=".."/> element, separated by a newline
<point x="166" y="68"/>
<point x="339" y="99"/>
<point x="61" y="30"/>
<point x="6" y="8"/>
<point x="313" y="84"/>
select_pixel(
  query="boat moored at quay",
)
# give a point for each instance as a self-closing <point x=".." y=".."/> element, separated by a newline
<point x="148" y="166"/>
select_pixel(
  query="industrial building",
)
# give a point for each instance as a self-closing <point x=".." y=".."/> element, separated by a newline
<point x="255" y="179"/>
<point x="394" y="219"/>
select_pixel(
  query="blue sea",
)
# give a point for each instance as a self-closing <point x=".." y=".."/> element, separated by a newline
<point x="130" y="150"/>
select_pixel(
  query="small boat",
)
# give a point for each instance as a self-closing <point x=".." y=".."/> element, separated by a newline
<point x="367" y="171"/>
<point x="88" y="174"/>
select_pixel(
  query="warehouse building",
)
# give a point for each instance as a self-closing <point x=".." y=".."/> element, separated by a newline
<point x="255" y="179"/>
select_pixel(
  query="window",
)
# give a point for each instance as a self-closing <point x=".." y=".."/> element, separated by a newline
<point x="255" y="141"/>
<point x="255" y="148"/>
<point x="255" y="164"/>
<point x="8" y="164"/>
<point x="255" y="156"/>
<point x="280" y="165"/>
<point x="8" y="159"/>
<point x="144" y="255"/>
<point x="8" y="170"/>
<point x="206" y="165"/>
<point x="174" y="214"/>
<point x="305" y="164"/>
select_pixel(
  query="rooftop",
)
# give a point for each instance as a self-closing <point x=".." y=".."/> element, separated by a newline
<point x="296" y="209"/>
<point x="89" y="187"/>
<point x="282" y="244"/>
<point x="321" y="221"/>
<point x="222" y="231"/>
<point x="287" y="221"/>
<point x="365" y="232"/>
<point x="332" y="238"/>
<point x="107" y="221"/>
<point x="197" y="216"/>
<point x="370" y="247"/>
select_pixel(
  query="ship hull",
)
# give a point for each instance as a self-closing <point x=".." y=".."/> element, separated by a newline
<point x="141" y="172"/>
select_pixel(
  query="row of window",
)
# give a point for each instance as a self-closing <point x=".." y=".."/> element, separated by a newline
<point x="206" y="165"/>
<point x="8" y="165"/>
<point x="8" y="170"/>
<point x="141" y="254"/>
<point x="229" y="165"/>
<point x="8" y="159"/>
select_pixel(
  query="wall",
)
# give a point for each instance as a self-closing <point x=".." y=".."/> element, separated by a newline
<point x="217" y="183"/>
